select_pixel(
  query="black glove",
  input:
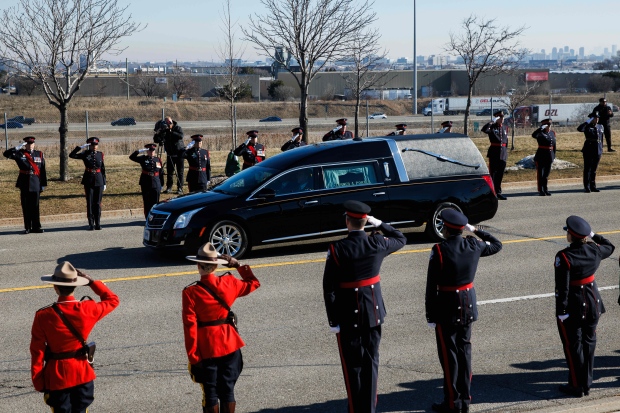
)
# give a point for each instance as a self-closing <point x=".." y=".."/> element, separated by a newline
<point x="232" y="263"/>
<point x="196" y="372"/>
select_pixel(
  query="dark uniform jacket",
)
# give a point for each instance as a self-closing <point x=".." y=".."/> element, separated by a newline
<point x="152" y="174"/>
<point x="593" y="144"/>
<point x="450" y="294"/>
<point x="604" y="113"/>
<point x="498" y="137"/>
<point x="94" y="174"/>
<point x="292" y="145"/>
<point x="576" y="292"/>
<point x="172" y="139"/>
<point x="251" y="154"/>
<point x="546" y="145"/>
<point x="199" y="162"/>
<point x="336" y="136"/>
<point x="29" y="163"/>
<point x="353" y="260"/>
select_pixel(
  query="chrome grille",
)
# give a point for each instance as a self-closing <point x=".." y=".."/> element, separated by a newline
<point x="157" y="219"/>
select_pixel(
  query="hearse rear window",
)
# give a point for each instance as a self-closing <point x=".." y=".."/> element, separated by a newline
<point x="349" y="175"/>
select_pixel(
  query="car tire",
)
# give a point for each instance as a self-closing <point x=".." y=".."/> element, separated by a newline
<point x="434" y="225"/>
<point x="228" y="237"/>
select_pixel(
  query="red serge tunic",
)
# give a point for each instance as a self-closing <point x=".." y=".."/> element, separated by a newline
<point x="198" y="305"/>
<point x="48" y="328"/>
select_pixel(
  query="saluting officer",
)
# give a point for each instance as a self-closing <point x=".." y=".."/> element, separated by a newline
<point x="94" y="180"/>
<point x="451" y="304"/>
<point x="251" y="151"/>
<point x="59" y="364"/>
<point x="199" y="171"/>
<point x="498" y="152"/>
<point x="152" y="176"/>
<point x="353" y="300"/>
<point x="340" y="132"/>
<point x="578" y="304"/>
<point x="212" y="341"/>
<point x="31" y="181"/>
<point x="446" y="127"/>
<point x="401" y="128"/>
<point x="545" y="154"/>
<point x="592" y="150"/>
<point x="296" y="141"/>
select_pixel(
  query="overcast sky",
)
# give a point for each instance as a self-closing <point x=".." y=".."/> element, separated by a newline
<point x="190" y="30"/>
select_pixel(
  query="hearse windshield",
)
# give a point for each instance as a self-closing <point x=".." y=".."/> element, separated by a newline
<point x="246" y="180"/>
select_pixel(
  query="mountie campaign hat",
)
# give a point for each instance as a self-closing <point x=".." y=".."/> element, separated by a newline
<point x="356" y="209"/>
<point x="498" y="113"/>
<point x="546" y="121"/>
<point x="29" y="139"/>
<point x="93" y="139"/>
<point x="297" y="130"/>
<point x="446" y="123"/>
<point x="594" y="115"/>
<point x="197" y="138"/>
<point x="65" y="274"/>
<point x="150" y="146"/>
<point x="207" y="254"/>
<point x="401" y="126"/>
<point x="342" y="121"/>
<point x="577" y="227"/>
<point x="252" y="133"/>
<point x="453" y="219"/>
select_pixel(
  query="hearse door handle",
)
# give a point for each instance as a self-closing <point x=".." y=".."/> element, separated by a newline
<point x="311" y="202"/>
<point x="378" y="193"/>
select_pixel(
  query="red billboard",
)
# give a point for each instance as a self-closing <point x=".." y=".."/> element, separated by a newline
<point x="536" y="76"/>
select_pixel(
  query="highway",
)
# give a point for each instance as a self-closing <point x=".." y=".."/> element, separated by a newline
<point x="291" y="359"/>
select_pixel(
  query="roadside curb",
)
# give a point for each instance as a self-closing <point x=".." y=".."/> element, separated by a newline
<point x="605" y="405"/>
<point x="557" y="182"/>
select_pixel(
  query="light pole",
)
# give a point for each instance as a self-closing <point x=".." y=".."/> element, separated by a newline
<point x="415" y="66"/>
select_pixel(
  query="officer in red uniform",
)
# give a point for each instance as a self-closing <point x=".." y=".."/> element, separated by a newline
<point x="94" y="180"/>
<point x="212" y="341"/>
<point x="251" y="151"/>
<point x="59" y="364"/>
<point x="354" y="304"/>
<point x="31" y="181"/>
<point x="545" y="154"/>
<point x="446" y="127"/>
<point x="578" y="303"/>
<point x="152" y="176"/>
<point x="451" y="304"/>
<point x="497" y="153"/>
<point x="199" y="171"/>
<point x="340" y="132"/>
<point x="296" y="140"/>
<point x="401" y="128"/>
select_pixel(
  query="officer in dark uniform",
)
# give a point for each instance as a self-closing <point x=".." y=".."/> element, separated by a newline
<point x="152" y="175"/>
<point x="401" y="128"/>
<point x="605" y="112"/>
<point x="578" y="304"/>
<point x="497" y="153"/>
<point x="296" y="141"/>
<point x="545" y="154"/>
<point x="31" y="181"/>
<point x="451" y="304"/>
<point x="340" y="132"/>
<point x="354" y="304"/>
<point x="251" y="151"/>
<point x="446" y="127"/>
<point x="199" y="171"/>
<point x="170" y="134"/>
<point x="94" y="180"/>
<point x="592" y="150"/>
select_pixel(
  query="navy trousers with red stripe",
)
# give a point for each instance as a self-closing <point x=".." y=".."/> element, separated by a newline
<point x="543" y="169"/>
<point x="454" y="349"/>
<point x="359" y="356"/>
<point x="579" y="342"/>
<point x="72" y="400"/>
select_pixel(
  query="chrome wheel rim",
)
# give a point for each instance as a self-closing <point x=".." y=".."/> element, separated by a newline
<point x="227" y="239"/>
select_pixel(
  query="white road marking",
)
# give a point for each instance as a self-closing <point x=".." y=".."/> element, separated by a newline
<point x="532" y="297"/>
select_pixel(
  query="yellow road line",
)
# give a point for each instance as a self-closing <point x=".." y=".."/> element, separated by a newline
<point x="270" y="265"/>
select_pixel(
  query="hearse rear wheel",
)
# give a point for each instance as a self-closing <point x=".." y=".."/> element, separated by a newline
<point x="435" y="224"/>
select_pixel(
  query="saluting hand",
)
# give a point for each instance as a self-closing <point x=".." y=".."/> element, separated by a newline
<point x="88" y="277"/>
<point x="232" y="262"/>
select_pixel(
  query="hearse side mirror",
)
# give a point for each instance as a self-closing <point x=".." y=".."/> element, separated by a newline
<point x="264" y="194"/>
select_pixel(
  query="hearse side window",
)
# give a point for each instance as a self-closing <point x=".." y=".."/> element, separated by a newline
<point x="246" y="180"/>
<point x="349" y="175"/>
<point x="297" y="181"/>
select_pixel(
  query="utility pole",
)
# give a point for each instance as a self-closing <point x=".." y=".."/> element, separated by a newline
<point x="414" y="96"/>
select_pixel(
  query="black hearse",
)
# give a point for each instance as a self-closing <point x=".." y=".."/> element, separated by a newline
<point x="298" y="194"/>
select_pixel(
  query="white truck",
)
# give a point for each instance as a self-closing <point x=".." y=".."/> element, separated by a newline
<point x="562" y="114"/>
<point x="454" y="106"/>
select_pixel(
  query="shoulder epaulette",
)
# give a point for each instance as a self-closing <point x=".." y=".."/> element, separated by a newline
<point x="194" y="283"/>
<point x="86" y="297"/>
<point x="43" y="308"/>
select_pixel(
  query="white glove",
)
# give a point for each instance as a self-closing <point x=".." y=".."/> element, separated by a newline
<point x="105" y="187"/>
<point x="563" y="317"/>
<point x="494" y="119"/>
<point x="86" y="145"/>
<point x="21" y="145"/>
<point x="589" y="120"/>
<point x="190" y="145"/>
<point x="543" y="127"/>
<point x="374" y="221"/>
<point x="334" y="330"/>
<point x="431" y="325"/>
<point x="442" y="130"/>
<point x="470" y="228"/>
<point x="294" y="137"/>
<point x="142" y="150"/>
<point x="43" y="188"/>
<point x="591" y="234"/>
<point x="337" y="128"/>
<point x="247" y="141"/>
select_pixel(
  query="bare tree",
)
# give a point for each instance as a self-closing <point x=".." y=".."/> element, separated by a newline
<point x="184" y="84"/>
<point x="54" y="43"/>
<point x="231" y="87"/>
<point x="364" y="55"/>
<point x="314" y="32"/>
<point x="485" y="47"/>
<point x="144" y="84"/>
<point x="518" y="97"/>
<point x="26" y="85"/>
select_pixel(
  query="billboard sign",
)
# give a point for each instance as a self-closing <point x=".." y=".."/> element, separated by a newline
<point x="536" y="76"/>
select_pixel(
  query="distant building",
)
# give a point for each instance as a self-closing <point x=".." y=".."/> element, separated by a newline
<point x="582" y="53"/>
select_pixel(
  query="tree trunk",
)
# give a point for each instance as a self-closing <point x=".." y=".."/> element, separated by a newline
<point x="357" y="111"/>
<point x="64" y="155"/>
<point x="303" y="110"/>
<point x="232" y="125"/>
<point x="465" y="120"/>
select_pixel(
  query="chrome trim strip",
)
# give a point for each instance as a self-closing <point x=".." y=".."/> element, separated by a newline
<point x="398" y="161"/>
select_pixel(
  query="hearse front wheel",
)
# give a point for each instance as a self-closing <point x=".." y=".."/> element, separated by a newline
<point x="229" y="238"/>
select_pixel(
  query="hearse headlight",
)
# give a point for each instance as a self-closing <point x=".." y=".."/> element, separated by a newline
<point x="183" y="219"/>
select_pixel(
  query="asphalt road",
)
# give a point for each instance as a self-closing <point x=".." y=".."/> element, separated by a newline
<point x="291" y="359"/>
